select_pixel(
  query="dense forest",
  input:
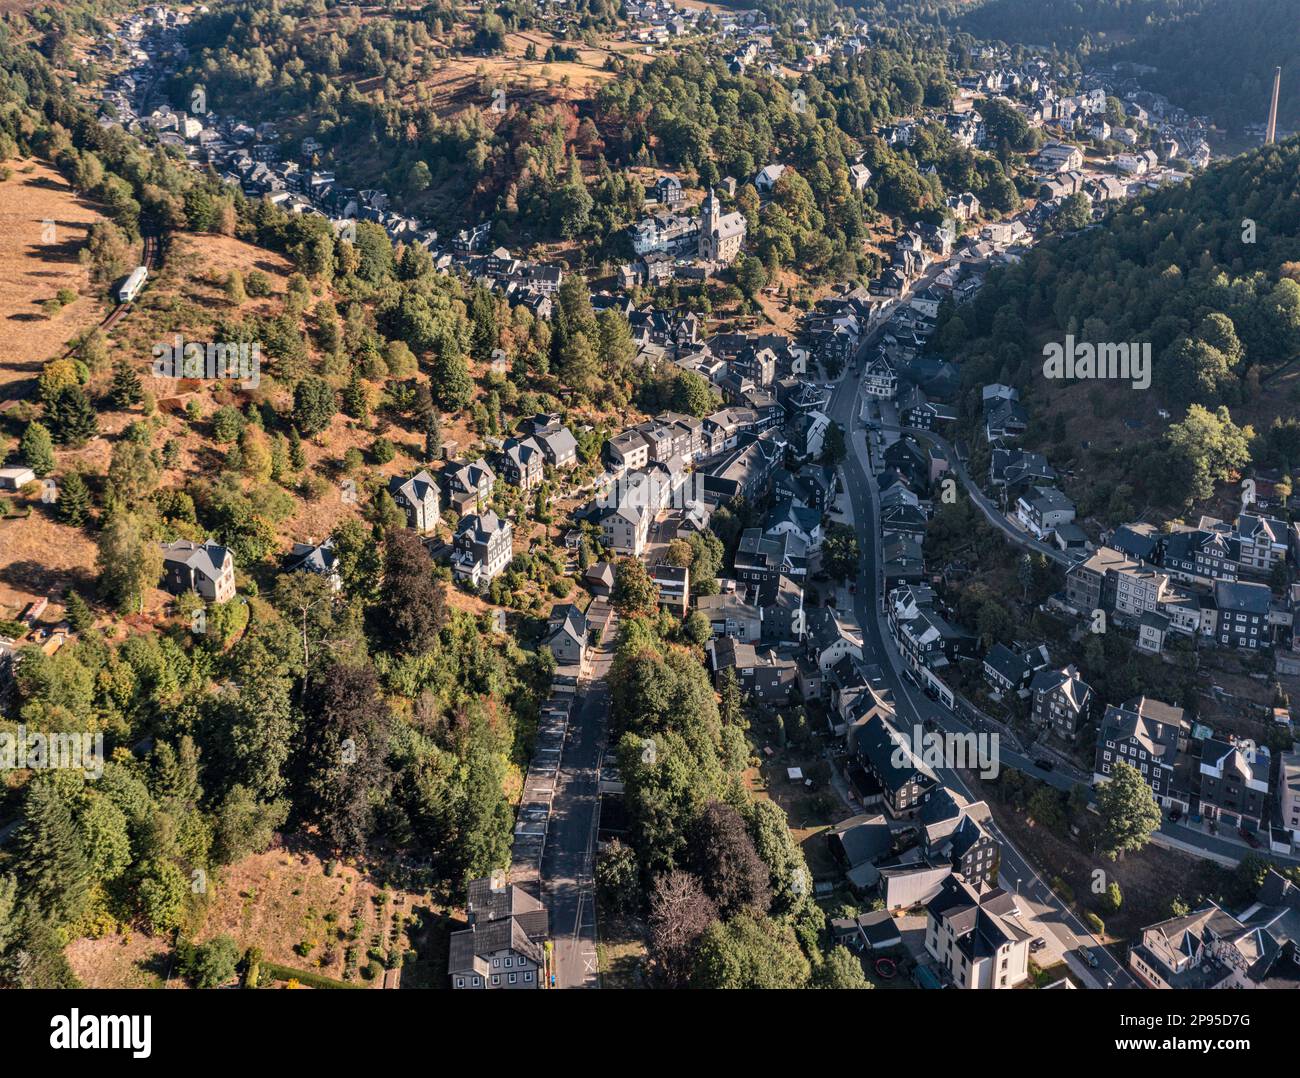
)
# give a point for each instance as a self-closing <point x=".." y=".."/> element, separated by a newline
<point x="1208" y="272"/>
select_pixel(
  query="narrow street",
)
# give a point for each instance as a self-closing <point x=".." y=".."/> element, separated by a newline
<point x="568" y="859"/>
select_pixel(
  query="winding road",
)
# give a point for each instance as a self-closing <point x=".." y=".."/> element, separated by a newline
<point x="1046" y="914"/>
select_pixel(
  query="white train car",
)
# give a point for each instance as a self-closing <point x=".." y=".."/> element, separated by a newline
<point x="133" y="284"/>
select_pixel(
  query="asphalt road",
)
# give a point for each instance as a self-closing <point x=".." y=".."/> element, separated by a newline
<point x="991" y="512"/>
<point x="568" y="858"/>
<point x="1045" y="914"/>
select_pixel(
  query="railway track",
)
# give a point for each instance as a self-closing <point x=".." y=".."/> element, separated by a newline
<point x="152" y="259"/>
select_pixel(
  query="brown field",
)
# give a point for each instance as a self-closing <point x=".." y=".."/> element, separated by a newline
<point x="274" y="901"/>
<point x="456" y="85"/>
<point x="32" y="271"/>
<point x="42" y="557"/>
<point x="123" y="960"/>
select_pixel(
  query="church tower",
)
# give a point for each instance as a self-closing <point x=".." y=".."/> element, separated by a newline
<point x="709" y="212"/>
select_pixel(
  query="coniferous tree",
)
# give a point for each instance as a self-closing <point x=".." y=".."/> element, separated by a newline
<point x="355" y="403"/>
<point x="73" y="506"/>
<point x="51" y="851"/>
<point x="72" y="417"/>
<point x="78" y="612"/>
<point x="297" y="456"/>
<point x="126" y="389"/>
<point x="449" y="378"/>
<point x="38" y="448"/>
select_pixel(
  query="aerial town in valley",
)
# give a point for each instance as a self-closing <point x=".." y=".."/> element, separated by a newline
<point x="649" y="495"/>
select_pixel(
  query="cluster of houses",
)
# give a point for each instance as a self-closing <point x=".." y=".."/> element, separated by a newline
<point x="1209" y="582"/>
<point x="1232" y="784"/>
<point x="918" y="843"/>
<point x="1210" y="948"/>
<point x="254" y="158"/>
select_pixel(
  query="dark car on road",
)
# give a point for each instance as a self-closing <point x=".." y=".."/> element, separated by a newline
<point x="1087" y="955"/>
<point x="1250" y="838"/>
<point x="1045" y="764"/>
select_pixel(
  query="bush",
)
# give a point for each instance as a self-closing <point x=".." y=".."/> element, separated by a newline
<point x="1063" y="889"/>
<point x="1094" y="922"/>
<point x="214" y="963"/>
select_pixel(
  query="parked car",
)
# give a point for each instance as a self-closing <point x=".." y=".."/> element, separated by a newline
<point x="1087" y="955"/>
<point x="1250" y="838"/>
<point x="1175" y="815"/>
<point x="1037" y="944"/>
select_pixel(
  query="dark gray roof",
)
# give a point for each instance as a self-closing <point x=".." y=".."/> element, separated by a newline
<point x="1241" y="597"/>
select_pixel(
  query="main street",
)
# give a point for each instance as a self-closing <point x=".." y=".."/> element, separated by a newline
<point x="1043" y="912"/>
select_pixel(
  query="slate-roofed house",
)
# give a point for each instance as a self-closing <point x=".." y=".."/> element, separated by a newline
<point x="953" y="831"/>
<point x="668" y="191"/>
<point x="903" y="559"/>
<point x="1147" y="735"/>
<point x="856" y="844"/>
<point x="625" y="527"/>
<point x="1004" y="420"/>
<point x="483" y="548"/>
<point x="523" y="462"/>
<point x="766" y="673"/>
<point x="1243" y="614"/>
<point x="828" y="640"/>
<point x="674" y="584"/>
<point x="1198" y="554"/>
<point x="761" y="559"/>
<point x="925" y="638"/>
<point x="1142" y="542"/>
<point x="628" y="451"/>
<point x="599" y="578"/>
<point x="558" y="445"/>
<point x="787" y="516"/>
<point x="887" y="757"/>
<point x="969" y="931"/>
<point x="1044" y="509"/>
<point x="206" y="568"/>
<point x="1235" y="784"/>
<point x="1211" y="949"/>
<point x="469" y="486"/>
<point x="880" y="378"/>
<point x="730" y="615"/>
<point x="906" y="520"/>
<point x="503" y="947"/>
<point x="1093" y="584"/>
<point x="1011" y="467"/>
<point x="1263" y="543"/>
<point x="315" y="558"/>
<point x="419" y="497"/>
<point x="1061" y="701"/>
<point x="1005" y="671"/>
<point x="916" y="409"/>
<point x="566" y="634"/>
